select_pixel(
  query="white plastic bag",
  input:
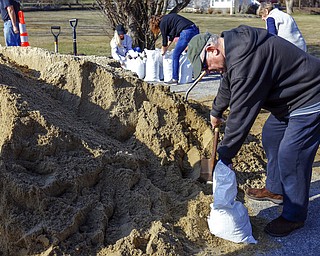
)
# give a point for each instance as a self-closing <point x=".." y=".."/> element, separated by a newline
<point x="167" y="66"/>
<point x="152" y="66"/>
<point x="185" y="69"/>
<point x="228" y="218"/>
<point x="137" y="65"/>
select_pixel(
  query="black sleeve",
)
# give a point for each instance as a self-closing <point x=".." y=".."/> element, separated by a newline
<point x="164" y="33"/>
<point x="221" y="101"/>
<point x="247" y="98"/>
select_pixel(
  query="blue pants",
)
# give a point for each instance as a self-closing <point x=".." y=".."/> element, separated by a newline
<point x="291" y="145"/>
<point x="10" y="37"/>
<point x="184" y="39"/>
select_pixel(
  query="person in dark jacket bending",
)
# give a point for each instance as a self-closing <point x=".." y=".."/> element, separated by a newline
<point x="171" y="26"/>
<point x="261" y="70"/>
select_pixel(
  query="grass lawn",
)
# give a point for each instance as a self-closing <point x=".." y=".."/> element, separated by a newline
<point x="94" y="34"/>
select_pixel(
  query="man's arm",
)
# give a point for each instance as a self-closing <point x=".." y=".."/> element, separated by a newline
<point x="13" y="18"/>
<point x="248" y="96"/>
<point x="165" y="48"/>
<point x="222" y="100"/>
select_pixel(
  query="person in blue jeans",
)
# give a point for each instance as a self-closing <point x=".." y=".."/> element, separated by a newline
<point x="9" y="13"/>
<point x="173" y="26"/>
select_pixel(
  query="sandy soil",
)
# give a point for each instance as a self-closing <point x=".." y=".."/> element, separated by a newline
<point x="95" y="161"/>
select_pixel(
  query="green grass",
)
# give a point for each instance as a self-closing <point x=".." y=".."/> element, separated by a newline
<point x="94" y="33"/>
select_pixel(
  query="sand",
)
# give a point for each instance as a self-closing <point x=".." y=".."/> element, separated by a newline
<point x="95" y="161"/>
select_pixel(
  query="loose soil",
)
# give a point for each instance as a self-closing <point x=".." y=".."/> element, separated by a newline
<point x="95" y="161"/>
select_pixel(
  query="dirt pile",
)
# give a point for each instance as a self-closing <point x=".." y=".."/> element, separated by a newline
<point x="96" y="161"/>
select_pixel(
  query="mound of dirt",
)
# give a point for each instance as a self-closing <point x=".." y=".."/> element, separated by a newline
<point x="97" y="161"/>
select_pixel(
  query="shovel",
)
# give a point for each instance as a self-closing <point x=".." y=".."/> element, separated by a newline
<point x="207" y="165"/>
<point x="73" y="24"/>
<point x="55" y="30"/>
<point x="195" y="83"/>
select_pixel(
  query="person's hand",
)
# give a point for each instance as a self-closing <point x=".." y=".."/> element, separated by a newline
<point x="163" y="50"/>
<point x="15" y="30"/>
<point x="216" y="121"/>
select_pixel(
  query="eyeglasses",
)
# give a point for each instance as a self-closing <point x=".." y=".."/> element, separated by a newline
<point x="204" y="62"/>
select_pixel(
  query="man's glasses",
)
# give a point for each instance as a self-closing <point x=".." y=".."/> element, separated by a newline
<point x="204" y="62"/>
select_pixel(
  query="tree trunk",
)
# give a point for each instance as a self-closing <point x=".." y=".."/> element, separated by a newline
<point x="289" y="6"/>
<point x="135" y="15"/>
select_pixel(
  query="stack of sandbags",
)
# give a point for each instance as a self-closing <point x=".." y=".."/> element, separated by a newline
<point x="151" y="66"/>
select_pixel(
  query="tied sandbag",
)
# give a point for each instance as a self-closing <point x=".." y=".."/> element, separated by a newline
<point x="185" y="69"/>
<point x="228" y="218"/>
<point x="137" y="65"/>
<point x="152" y="65"/>
<point x="167" y="66"/>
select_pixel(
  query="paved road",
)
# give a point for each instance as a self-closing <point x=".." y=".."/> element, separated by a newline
<point x="207" y="88"/>
<point x="305" y="241"/>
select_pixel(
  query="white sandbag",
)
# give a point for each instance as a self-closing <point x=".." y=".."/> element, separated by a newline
<point x="160" y="64"/>
<point x="167" y="66"/>
<point x="137" y="65"/>
<point x="140" y="69"/>
<point x="228" y="218"/>
<point x="185" y="69"/>
<point x="133" y="54"/>
<point x="130" y="64"/>
<point x="152" y="66"/>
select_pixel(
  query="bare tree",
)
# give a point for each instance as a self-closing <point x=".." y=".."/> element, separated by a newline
<point x="135" y="15"/>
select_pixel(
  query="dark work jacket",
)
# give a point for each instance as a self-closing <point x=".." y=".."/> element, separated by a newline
<point x="171" y="26"/>
<point x="263" y="71"/>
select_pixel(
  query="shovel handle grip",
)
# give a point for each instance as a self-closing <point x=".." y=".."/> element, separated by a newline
<point x="73" y="22"/>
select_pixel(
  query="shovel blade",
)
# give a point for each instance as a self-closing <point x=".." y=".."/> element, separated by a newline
<point x="206" y="172"/>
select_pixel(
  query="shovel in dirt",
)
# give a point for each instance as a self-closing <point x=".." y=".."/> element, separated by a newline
<point x="55" y="30"/>
<point x="73" y="24"/>
<point x="207" y="165"/>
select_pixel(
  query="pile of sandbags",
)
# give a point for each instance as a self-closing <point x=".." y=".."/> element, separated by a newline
<point x="151" y="66"/>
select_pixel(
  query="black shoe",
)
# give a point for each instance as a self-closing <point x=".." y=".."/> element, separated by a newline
<point x="172" y="82"/>
<point x="281" y="227"/>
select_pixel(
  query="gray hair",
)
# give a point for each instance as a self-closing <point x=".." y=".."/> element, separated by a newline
<point x="213" y="40"/>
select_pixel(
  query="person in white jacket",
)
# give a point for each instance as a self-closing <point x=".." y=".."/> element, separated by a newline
<point x="281" y="24"/>
<point x="120" y="44"/>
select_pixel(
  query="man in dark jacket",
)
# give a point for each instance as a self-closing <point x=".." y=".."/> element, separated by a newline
<point x="9" y="13"/>
<point x="261" y="70"/>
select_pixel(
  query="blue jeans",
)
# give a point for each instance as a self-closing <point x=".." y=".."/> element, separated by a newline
<point x="291" y="145"/>
<point x="184" y="39"/>
<point x="10" y="37"/>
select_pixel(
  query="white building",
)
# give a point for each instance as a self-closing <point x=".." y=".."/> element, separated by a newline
<point x="221" y="3"/>
<point x="234" y="4"/>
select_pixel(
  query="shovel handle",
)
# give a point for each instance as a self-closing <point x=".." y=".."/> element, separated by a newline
<point x="195" y="83"/>
<point x="73" y="22"/>
<point x="57" y="33"/>
<point x="215" y="146"/>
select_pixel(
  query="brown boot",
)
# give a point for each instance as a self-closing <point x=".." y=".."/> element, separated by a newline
<point x="262" y="194"/>
<point x="282" y="227"/>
